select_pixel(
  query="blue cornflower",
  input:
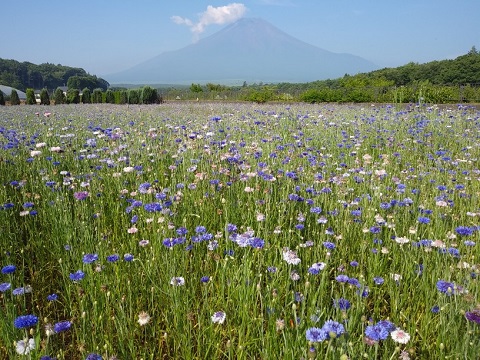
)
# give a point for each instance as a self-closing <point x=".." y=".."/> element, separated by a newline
<point x="128" y="257"/>
<point x="62" y="326"/>
<point x="329" y="245"/>
<point x="153" y="207"/>
<point x="52" y="297"/>
<point x="90" y="258"/>
<point x="182" y="231"/>
<point x="316" y="268"/>
<point x="435" y="309"/>
<point x="315" y="334"/>
<point x="375" y="229"/>
<point x="231" y="228"/>
<point x="200" y="229"/>
<point x="272" y="269"/>
<point x="342" y="278"/>
<point x="454" y="252"/>
<point x="342" y="304"/>
<point x="93" y="356"/>
<point x="354" y="263"/>
<point x="205" y="279"/>
<point x="5" y="286"/>
<point x="113" y="258"/>
<point x="469" y="243"/>
<point x="9" y="269"/>
<point x="25" y="321"/>
<point x="134" y="219"/>
<point x="378" y="280"/>
<point x="77" y="276"/>
<point x="315" y="210"/>
<point x="464" y="230"/>
<point x="257" y="243"/>
<point x="388" y="325"/>
<point x="354" y="282"/>
<point x="357" y="212"/>
<point x="28" y="205"/>
<point x="446" y="287"/>
<point x="423" y="220"/>
<point x="333" y="329"/>
<point x="376" y="332"/>
<point x="22" y="290"/>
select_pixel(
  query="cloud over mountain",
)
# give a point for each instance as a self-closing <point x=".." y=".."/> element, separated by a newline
<point x="213" y="15"/>
<point x="251" y="50"/>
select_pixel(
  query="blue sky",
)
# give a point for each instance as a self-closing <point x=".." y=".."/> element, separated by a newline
<point x="107" y="36"/>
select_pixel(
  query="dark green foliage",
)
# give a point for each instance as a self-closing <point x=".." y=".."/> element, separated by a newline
<point x="73" y="96"/>
<point x="110" y="97"/>
<point x="196" y="88"/>
<point x="27" y="75"/>
<point x="30" y="97"/>
<point x="134" y="96"/>
<point x="2" y="99"/>
<point x="149" y="95"/>
<point x="86" y="96"/>
<point x="86" y="81"/>
<point x="121" y="97"/>
<point x="59" y="97"/>
<point x="97" y="97"/>
<point x="14" y="99"/>
<point x="44" y="97"/>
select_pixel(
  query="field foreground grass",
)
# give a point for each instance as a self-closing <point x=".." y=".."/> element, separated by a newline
<point x="239" y="231"/>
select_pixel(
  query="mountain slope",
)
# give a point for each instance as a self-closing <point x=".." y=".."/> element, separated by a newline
<point x="248" y="50"/>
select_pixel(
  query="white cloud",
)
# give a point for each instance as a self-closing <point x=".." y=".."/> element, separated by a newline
<point x="213" y="15"/>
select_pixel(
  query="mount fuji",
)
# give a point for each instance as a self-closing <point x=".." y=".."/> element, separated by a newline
<point x="251" y="50"/>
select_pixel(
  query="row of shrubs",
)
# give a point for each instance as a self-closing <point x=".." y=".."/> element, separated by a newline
<point x="145" y="95"/>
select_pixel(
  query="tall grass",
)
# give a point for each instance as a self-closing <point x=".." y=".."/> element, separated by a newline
<point x="141" y="226"/>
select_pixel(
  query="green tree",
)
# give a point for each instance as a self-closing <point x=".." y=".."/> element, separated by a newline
<point x="14" y="99"/>
<point x="86" y="96"/>
<point x="196" y="88"/>
<point x="2" y="98"/>
<point x="149" y="95"/>
<point x="122" y="97"/>
<point x="109" y="97"/>
<point x="73" y="96"/>
<point x="97" y="97"/>
<point x="31" y="97"/>
<point x="59" y="97"/>
<point x="44" y="98"/>
<point x="133" y="96"/>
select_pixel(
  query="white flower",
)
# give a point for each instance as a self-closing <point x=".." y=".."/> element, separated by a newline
<point x="143" y="318"/>
<point x="219" y="317"/>
<point x="177" y="281"/>
<point x="23" y="347"/>
<point x="400" y="336"/>
<point x="402" y="240"/>
<point x="290" y="257"/>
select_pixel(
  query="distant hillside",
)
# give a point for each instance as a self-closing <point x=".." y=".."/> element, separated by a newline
<point x="23" y="75"/>
<point x="251" y="50"/>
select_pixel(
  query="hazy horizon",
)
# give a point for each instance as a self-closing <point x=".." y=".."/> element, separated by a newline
<point x="106" y="37"/>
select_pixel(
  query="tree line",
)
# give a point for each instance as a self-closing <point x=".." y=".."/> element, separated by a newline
<point x="144" y="95"/>
<point x="24" y="75"/>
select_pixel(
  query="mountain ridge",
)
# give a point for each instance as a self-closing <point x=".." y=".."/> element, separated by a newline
<point x="250" y="49"/>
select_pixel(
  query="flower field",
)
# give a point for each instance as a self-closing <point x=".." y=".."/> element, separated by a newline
<point x="239" y="231"/>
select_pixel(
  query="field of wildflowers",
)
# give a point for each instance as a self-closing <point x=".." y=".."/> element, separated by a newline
<point x="239" y="231"/>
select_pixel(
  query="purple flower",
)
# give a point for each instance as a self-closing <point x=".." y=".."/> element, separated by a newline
<point x="329" y="245"/>
<point x="316" y="268"/>
<point x="89" y="258"/>
<point x="464" y="230"/>
<point x="77" y="276"/>
<point x="205" y="279"/>
<point x="25" y="321"/>
<point x="52" y="297"/>
<point x="423" y="220"/>
<point x="93" y="356"/>
<point x="128" y="257"/>
<point x="342" y="304"/>
<point x="376" y="332"/>
<point x="315" y="334"/>
<point x="5" y="286"/>
<point x="113" y="258"/>
<point x="62" y="326"/>
<point x="378" y="280"/>
<point x="342" y="278"/>
<point x="9" y="269"/>
<point x="80" y="195"/>
<point x="446" y="287"/>
<point x="473" y="315"/>
<point x="333" y="329"/>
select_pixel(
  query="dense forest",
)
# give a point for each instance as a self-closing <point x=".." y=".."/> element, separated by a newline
<point x="445" y="81"/>
<point x="24" y="75"/>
